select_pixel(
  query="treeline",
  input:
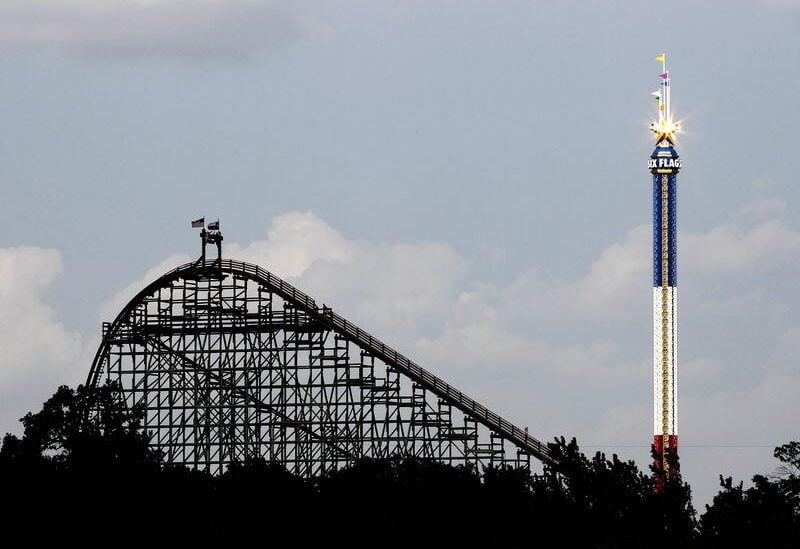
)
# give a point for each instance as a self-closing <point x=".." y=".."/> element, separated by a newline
<point x="104" y="485"/>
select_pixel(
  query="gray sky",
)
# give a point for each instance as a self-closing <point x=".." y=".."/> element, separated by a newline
<point x="465" y="179"/>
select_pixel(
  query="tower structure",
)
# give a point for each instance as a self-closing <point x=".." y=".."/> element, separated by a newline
<point x="664" y="165"/>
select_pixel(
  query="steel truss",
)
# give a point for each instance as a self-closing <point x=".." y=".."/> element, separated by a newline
<point x="230" y="362"/>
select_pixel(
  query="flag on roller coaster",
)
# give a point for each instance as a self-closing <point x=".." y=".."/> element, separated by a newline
<point x="213" y="226"/>
<point x="198" y="223"/>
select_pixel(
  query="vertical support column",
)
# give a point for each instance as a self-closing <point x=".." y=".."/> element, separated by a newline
<point x="664" y="166"/>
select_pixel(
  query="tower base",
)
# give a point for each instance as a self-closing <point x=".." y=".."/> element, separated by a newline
<point x="672" y="445"/>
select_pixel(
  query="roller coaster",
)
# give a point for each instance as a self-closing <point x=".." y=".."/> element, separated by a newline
<point x="228" y="362"/>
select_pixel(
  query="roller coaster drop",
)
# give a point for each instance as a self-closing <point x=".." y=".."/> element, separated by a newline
<point x="229" y="362"/>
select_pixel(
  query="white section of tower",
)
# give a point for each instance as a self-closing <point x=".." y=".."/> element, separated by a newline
<point x="665" y="361"/>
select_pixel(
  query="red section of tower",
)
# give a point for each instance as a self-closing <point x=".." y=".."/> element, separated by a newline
<point x="658" y="442"/>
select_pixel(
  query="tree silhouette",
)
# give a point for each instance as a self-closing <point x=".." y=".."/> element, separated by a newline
<point x="61" y="434"/>
<point x="766" y="514"/>
<point x="97" y="473"/>
<point x="616" y="504"/>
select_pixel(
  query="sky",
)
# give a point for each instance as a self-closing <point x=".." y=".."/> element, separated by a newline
<point x="466" y="180"/>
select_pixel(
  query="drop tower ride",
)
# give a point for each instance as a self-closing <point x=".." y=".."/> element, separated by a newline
<point x="664" y="165"/>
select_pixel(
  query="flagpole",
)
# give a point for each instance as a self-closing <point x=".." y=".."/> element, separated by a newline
<point x="666" y="85"/>
<point x="662" y="110"/>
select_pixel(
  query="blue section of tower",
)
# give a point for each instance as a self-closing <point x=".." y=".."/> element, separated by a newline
<point x="666" y="164"/>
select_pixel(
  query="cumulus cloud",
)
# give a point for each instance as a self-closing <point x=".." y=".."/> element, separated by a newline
<point x="36" y="351"/>
<point x="730" y="248"/>
<point x="295" y="241"/>
<point x="613" y="285"/>
<point x="184" y="29"/>
<point x="757" y="241"/>
<point x="32" y="341"/>
<point x="393" y="288"/>
<point x="111" y="307"/>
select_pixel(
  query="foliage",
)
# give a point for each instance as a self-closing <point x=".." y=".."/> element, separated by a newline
<point x="94" y="475"/>
<point x="60" y="435"/>
<point x="767" y="514"/>
<point x="615" y="504"/>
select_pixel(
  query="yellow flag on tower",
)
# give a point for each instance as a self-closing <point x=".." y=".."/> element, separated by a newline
<point x="660" y="58"/>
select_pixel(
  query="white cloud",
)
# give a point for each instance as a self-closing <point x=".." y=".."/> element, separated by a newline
<point x="473" y="339"/>
<point x="479" y="334"/>
<point x="36" y="351"/>
<point x="732" y="249"/>
<point x="612" y="289"/>
<point x="185" y="29"/>
<point x="32" y="341"/>
<point x="614" y="284"/>
<point x="295" y="241"/>
<point x="111" y="307"/>
<point x="390" y="288"/>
